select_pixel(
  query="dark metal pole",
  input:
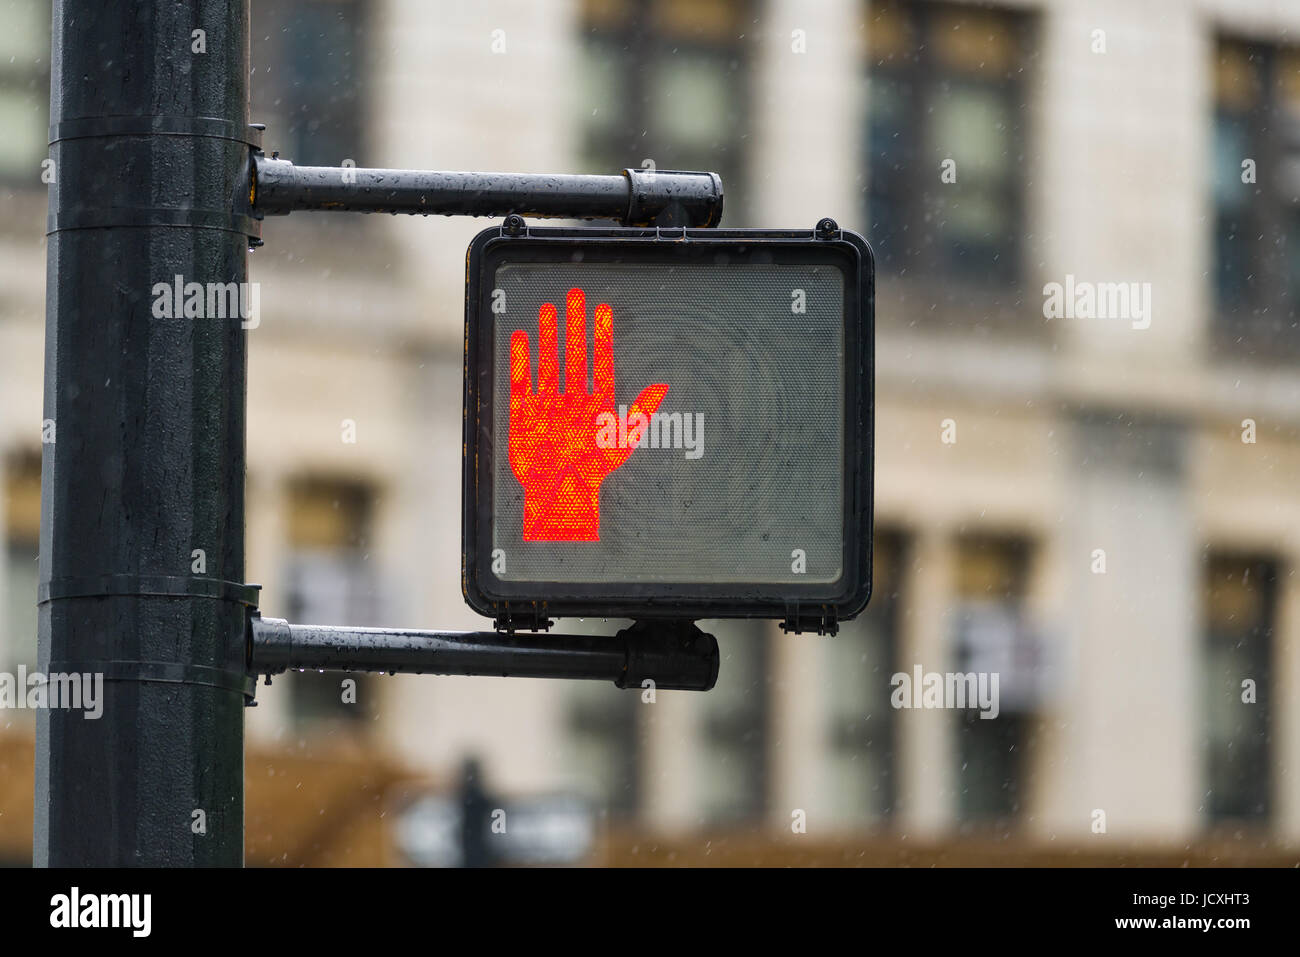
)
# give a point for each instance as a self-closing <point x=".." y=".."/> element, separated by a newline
<point x="634" y="198"/>
<point x="675" y="655"/>
<point x="476" y="816"/>
<point x="142" y="499"/>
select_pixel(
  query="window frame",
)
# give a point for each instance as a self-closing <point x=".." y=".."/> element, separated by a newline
<point x="924" y="80"/>
<point x="642" y="46"/>
<point x="1253" y="314"/>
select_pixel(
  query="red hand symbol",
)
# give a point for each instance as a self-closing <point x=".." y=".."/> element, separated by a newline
<point x="554" y="450"/>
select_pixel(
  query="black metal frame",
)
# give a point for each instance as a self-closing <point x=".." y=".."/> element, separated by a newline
<point x="804" y="607"/>
<point x="675" y="656"/>
<point x="150" y="458"/>
<point x="634" y="197"/>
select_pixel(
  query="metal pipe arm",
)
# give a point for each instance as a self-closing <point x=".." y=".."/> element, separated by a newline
<point x="636" y="197"/>
<point x="675" y="655"/>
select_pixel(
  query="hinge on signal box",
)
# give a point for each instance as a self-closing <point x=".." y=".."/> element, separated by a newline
<point x="819" y="619"/>
<point x="530" y="616"/>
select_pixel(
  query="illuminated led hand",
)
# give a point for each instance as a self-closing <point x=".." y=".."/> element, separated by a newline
<point x="554" y="447"/>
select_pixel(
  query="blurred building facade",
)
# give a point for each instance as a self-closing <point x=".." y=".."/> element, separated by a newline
<point x="1104" y="512"/>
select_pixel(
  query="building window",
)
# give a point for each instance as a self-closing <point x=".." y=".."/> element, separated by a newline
<point x="24" y="90"/>
<point x="735" y="716"/>
<point x="990" y="636"/>
<point x="22" y="527"/>
<point x="1240" y="597"/>
<point x="862" y="661"/>
<point x="666" y="81"/>
<point x="945" y="82"/>
<point x="1257" y="190"/>
<point x="330" y="580"/>
<point x="308" y="74"/>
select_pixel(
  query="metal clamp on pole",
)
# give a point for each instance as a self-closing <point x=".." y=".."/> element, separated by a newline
<point x="676" y="656"/>
<point x="677" y="648"/>
<point x="660" y="197"/>
<point x="634" y="198"/>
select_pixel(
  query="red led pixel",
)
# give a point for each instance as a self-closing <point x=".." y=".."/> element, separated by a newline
<point x="554" y="451"/>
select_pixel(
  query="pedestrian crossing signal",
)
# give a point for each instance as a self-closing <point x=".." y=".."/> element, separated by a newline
<point x="668" y="423"/>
